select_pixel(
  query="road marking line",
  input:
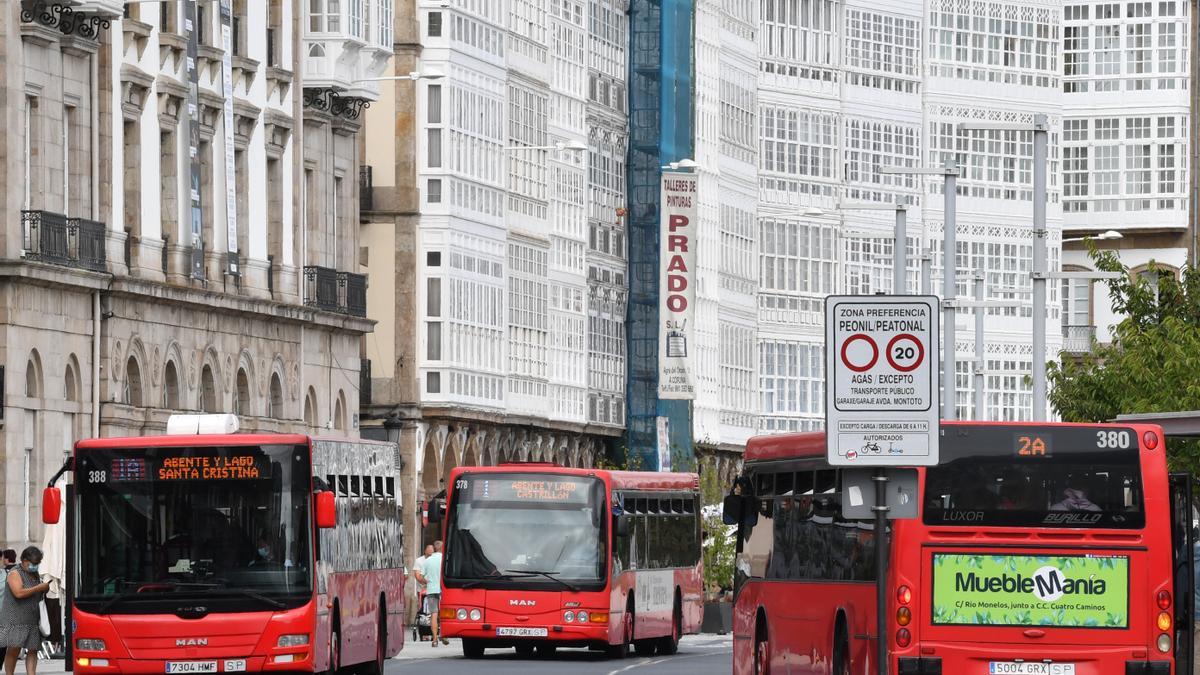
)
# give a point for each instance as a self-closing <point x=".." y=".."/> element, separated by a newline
<point x="654" y="662"/>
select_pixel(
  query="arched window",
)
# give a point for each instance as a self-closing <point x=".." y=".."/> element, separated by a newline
<point x="310" y="408"/>
<point x="275" y="409"/>
<point x="208" y="390"/>
<point x="241" y="401"/>
<point x="339" y="412"/>
<point x="71" y="382"/>
<point x="170" y="393"/>
<point x="33" y="376"/>
<point x="133" y="383"/>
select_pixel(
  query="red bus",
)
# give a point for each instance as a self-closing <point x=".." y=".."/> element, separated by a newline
<point x="540" y="557"/>
<point x="232" y="553"/>
<point x="1047" y="549"/>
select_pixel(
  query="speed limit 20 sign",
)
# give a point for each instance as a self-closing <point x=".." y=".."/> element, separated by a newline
<point x="881" y="389"/>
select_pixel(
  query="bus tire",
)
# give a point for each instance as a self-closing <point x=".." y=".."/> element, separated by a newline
<point x="669" y="645"/>
<point x="841" y="651"/>
<point x="381" y="638"/>
<point x="621" y="650"/>
<point x="525" y="650"/>
<point x="472" y="648"/>
<point x="334" y="665"/>
<point x="762" y="647"/>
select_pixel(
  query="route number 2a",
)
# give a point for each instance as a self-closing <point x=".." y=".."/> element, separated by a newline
<point x="1116" y="440"/>
<point x="1031" y="446"/>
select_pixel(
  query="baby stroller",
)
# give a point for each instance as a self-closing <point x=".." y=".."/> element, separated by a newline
<point x="422" y="631"/>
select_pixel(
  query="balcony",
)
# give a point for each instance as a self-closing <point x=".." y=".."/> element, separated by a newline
<point x="332" y="291"/>
<point x="1078" y="339"/>
<point x="56" y="239"/>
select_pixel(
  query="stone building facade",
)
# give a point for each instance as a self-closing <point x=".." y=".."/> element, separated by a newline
<point x="115" y="310"/>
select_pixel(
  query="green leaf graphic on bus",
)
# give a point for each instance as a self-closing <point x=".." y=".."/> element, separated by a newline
<point x="1023" y="590"/>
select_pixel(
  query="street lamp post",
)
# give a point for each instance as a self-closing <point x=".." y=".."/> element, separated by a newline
<point x="900" y="243"/>
<point x="949" y="171"/>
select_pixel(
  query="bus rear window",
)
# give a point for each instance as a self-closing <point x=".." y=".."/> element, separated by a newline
<point x="1081" y="477"/>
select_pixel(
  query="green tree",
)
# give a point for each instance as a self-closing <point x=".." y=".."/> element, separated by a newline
<point x="719" y="545"/>
<point x="1153" y="361"/>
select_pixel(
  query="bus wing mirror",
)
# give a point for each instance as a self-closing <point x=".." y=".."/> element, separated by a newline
<point x="622" y="526"/>
<point x="326" y="510"/>
<point x="731" y="509"/>
<point x="436" y="511"/>
<point x="51" y="505"/>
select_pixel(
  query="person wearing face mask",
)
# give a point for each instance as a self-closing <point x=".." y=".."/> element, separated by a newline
<point x="19" y="613"/>
<point x="263" y="556"/>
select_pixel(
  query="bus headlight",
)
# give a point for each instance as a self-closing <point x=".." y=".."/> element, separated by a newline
<point x="461" y="614"/>
<point x="90" y="645"/>
<point x="582" y="616"/>
<point x="569" y="616"/>
<point x="476" y="615"/>
<point x="298" y="640"/>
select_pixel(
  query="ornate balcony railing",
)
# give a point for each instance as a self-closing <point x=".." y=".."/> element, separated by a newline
<point x="1078" y="339"/>
<point x="333" y="291"/>
<point x="72" y="242"/>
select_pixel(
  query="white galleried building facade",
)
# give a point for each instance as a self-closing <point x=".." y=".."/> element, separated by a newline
<point x="502" y="336"/>
<point x="120" y="302"/>
<point x="1126" y="148"/>
<point x="845" y="88"/>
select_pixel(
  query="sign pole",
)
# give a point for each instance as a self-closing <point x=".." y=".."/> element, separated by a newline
<point x="881" y="568"/>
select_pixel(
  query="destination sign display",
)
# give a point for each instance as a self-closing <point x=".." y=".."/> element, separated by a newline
<point x="534" y="488"/>
<point x="245" y="465"/>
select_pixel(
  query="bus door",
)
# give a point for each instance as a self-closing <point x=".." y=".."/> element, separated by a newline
<point x="1183" y="552"/>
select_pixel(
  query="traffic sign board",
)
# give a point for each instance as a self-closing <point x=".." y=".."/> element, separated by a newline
<point x="881" y="389"/>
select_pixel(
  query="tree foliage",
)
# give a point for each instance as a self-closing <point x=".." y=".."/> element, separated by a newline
<point x="1152" y="363"/>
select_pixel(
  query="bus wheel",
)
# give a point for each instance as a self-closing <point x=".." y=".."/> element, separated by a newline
<point x="841" y="655"/>
<point x="546" y="650"/>
<point x="620" y="651"/>
<point x="525" y="650"/>
<point x="335" y="651"/>
<point x="669" y="645"/>
<point x="762" y="650"/>
<point x="381" y="638"/>
<point x="472" y="649"/>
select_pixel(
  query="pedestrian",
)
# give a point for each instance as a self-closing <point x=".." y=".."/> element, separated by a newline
<point x="19" y="615"/>
<point x="431" y="575"/>
<point x="419" y="583"/>
<point x="10" y="559"/>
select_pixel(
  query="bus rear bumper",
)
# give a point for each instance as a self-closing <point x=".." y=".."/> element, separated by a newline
<point x="962" y="659"/>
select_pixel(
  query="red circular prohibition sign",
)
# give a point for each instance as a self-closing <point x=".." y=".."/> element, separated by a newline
<point x="916" y="362"/>
<point x="874" y="352"/>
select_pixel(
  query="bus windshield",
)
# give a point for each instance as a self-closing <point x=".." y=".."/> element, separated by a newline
<point x="526" y="529"/>
<point x="1036" y="477"/>
<point x="213" y="521"/>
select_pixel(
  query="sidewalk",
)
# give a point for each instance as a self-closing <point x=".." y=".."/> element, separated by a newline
<point x="426" y="650"/>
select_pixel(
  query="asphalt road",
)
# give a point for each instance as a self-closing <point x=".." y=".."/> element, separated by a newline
<point x="698" y="655"/>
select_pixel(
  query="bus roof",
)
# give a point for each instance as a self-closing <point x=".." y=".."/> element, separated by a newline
<point x="191" y="440"/>
<point x="812" y="443"/>
<point x="621" y="480"/>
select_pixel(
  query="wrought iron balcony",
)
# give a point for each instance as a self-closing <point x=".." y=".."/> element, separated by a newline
<point x="59" y="240"/>
<point x="333" y="291"/>
<point x="1078" y="339"/>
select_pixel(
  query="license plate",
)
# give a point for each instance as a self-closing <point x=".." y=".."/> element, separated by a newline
<point x="233" y="666"/>
<point x="191" y="666"/>
<point x="522" y="632"/>
<point x="1030" y="668"/>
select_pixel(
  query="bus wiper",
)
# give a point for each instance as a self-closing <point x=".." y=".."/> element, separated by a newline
<point x="491" y="577"/>
<point x="113" y="602"/>
<point x="271" y="602"/>
<point x="553" y="576"/>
